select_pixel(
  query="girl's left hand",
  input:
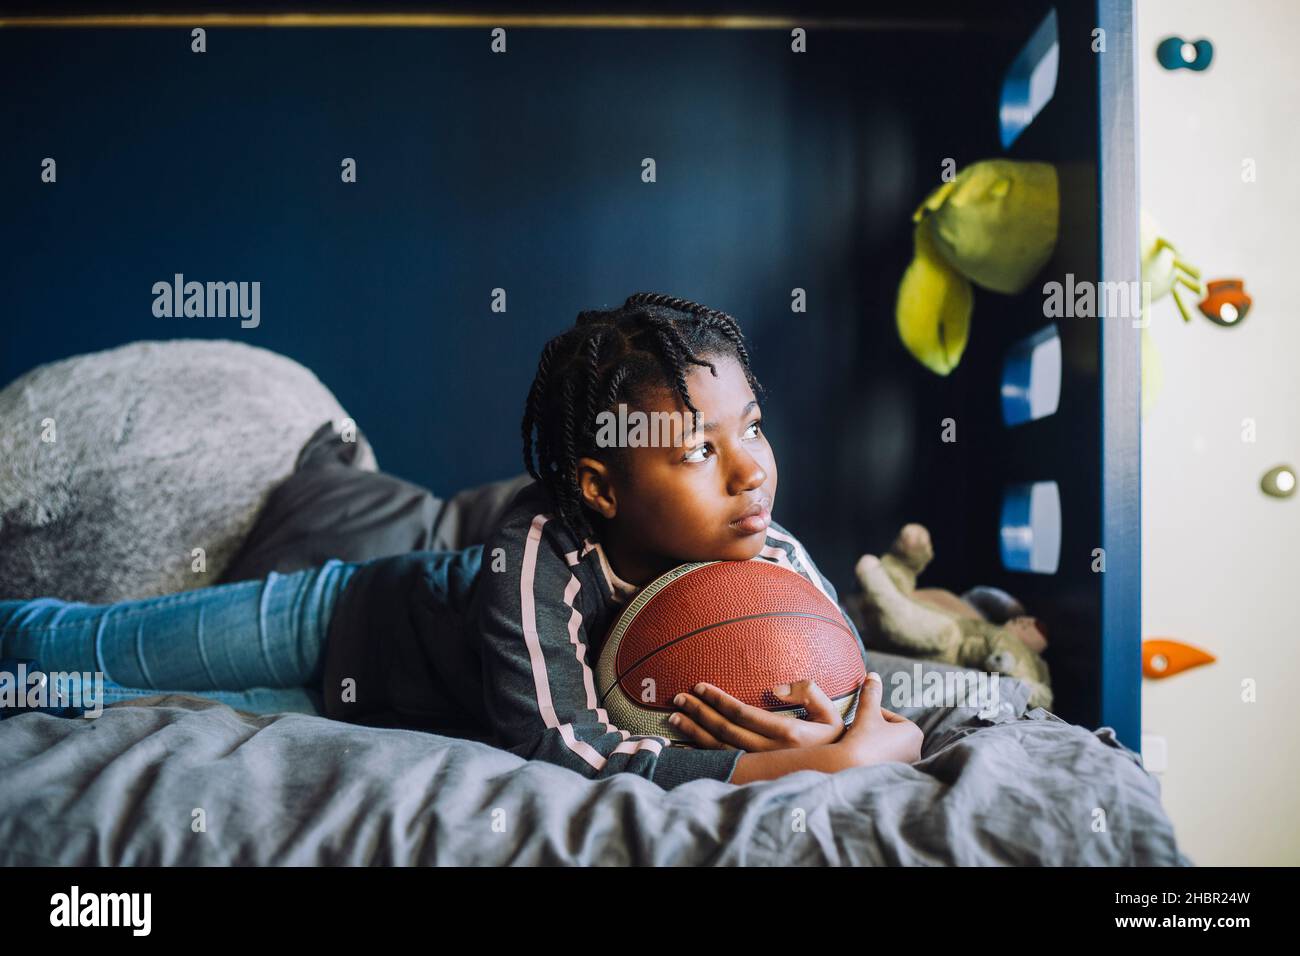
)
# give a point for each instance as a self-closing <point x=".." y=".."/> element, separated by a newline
<point x="717" y="721"/>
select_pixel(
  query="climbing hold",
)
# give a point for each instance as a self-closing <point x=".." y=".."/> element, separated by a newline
<point x="1162" y="657"/>
<point x="1226" y="302"/>
<point x="1175" y="53"/>
<point x="1279" y="482"/>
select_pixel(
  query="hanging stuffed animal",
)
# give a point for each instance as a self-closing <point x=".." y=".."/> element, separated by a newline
<point x="1162" y="272"/>
<point x="1162" y="267"/>
<point x="995" y="225"/>
<point x="934" y="307"/>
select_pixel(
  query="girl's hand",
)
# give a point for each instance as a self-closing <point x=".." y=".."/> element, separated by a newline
<point x="717" y="721"/>
<point x="879" y="735"/>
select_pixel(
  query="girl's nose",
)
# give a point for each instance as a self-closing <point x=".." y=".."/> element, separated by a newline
<point x="748" y="473"/>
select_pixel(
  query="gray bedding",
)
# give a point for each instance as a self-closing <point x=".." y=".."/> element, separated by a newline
<point x="296" y="789"/>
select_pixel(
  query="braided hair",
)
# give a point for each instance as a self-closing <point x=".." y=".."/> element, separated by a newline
<point x="608" y="356"/>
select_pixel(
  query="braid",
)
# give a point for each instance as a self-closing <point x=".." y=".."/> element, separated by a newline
<point x="648" y="343"/>
<point x="670" y="302"/>
<point x="713" y="318"/>
<point x="593" y="372"/>
<point x="675" y="356"/>
<point x="533" y="406"/>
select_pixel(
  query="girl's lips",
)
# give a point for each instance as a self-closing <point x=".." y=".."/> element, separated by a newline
<point x="755" y="523"/>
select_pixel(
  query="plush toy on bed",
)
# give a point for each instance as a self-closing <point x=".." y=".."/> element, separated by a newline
<point x="985" y="628"/>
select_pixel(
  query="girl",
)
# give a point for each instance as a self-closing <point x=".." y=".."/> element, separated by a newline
<point x="500" y="639"/>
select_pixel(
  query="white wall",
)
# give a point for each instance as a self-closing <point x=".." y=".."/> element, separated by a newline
<point x="1221" y="560"/>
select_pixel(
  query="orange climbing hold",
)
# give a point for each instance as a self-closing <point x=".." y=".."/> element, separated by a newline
<point x="1162" y="657"/>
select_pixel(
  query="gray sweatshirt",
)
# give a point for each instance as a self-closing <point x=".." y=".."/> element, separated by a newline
<point x="498" y="643"/>
<point x="539" y="620"/>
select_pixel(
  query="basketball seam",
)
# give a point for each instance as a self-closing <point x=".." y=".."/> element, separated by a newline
<point x="618" y="677"/>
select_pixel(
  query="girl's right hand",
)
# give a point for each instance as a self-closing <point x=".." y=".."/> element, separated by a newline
<point x="878" y="735"/>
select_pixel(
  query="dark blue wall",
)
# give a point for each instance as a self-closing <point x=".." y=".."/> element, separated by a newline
<point x="520" y="171"/>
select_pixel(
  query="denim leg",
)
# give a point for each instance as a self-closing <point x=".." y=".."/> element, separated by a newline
<point x="257" y="700"/>
<point x="249" y="634"/>
<point x="80" y="689"/>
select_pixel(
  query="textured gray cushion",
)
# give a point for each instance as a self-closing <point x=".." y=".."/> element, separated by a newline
<point x="160" y="448"/>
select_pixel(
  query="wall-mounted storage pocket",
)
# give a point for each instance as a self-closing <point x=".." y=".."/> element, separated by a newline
<point x="1031" y="527"/>
<point x="1030" y="82"/>
<point x="1031" y="377"/>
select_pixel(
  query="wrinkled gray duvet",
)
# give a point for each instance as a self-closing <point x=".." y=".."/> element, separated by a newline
<point x="182" y="780"/>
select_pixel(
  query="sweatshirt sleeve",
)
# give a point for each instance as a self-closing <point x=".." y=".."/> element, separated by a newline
<point x="540" y="687"/>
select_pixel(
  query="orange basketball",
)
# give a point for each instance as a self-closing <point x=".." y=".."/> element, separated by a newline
<point x="742" y="626"/>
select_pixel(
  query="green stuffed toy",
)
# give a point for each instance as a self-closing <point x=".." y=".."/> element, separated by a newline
<point x="934" y="307"/>
<point x="930" y="623"/>
<point x="995" y="225"/>
<point x="1163" y="271"/>
<point x="996" y="222"/>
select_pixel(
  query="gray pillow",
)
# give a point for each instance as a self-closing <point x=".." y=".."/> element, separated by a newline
<point x="115" y="466"/>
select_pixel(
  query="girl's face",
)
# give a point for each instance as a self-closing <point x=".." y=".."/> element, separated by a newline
<point x="709" y="497"/>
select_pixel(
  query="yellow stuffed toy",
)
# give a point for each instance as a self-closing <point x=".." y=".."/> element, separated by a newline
<point x="934" y="307"/>
<point x="996" y="222"/>
<point x="996" y="225"/>
<point x="1162" y="272"/>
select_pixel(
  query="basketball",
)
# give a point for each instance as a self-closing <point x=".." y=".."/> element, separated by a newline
<point x="742" y="626"/>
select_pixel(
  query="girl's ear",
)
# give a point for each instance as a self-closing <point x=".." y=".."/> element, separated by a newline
<point x="595" y="487"/>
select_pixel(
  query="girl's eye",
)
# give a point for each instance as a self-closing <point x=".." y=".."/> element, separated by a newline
<point x="694" y="453"/>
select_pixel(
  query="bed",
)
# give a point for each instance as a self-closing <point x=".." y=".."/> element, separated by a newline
<point x="180" y="779"/>
<point x="1020" y="788"/>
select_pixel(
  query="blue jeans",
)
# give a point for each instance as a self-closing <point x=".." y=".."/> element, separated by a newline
<point x="255" y="645"/>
